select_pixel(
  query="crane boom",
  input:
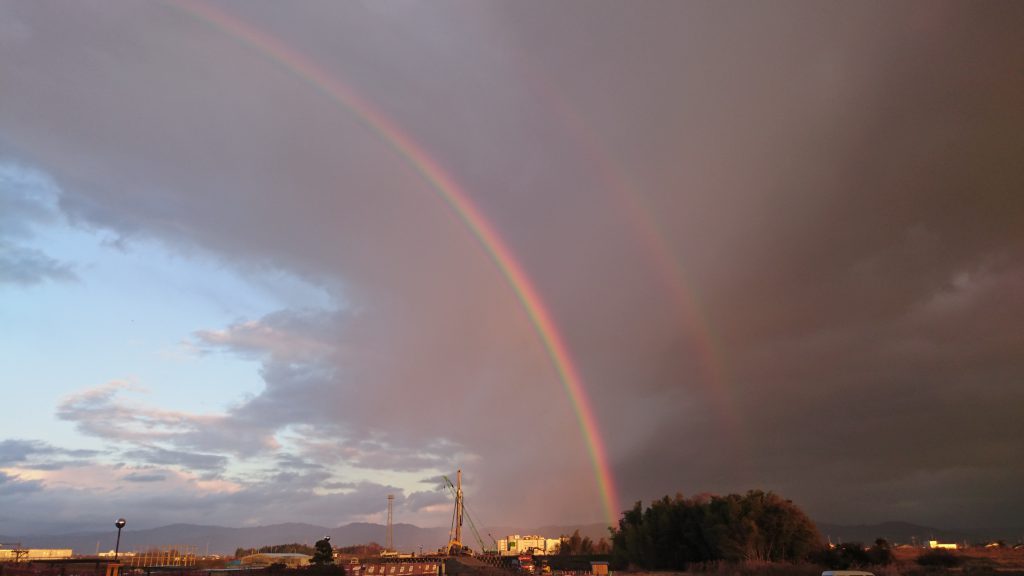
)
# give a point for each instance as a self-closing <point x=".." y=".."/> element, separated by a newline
<point x="455" y="534"/>
<point x="460" y="505"/>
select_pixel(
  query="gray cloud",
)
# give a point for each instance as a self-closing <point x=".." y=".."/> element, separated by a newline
<point x="26" y="266"/>
<point x="24" y="206"/>
<point x="821" y="203"/>
<point x="144" y="477"/>
<point x="254" y="504"/>
<point x="419" y="500"/>
<point x="40" y="455"/>
<point x="285" y="336"/>
<point x="12" y="486"/>
<point x="189" y="460"/>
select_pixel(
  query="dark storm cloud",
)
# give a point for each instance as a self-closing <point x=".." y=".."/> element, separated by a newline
<point x="838" y="186"/>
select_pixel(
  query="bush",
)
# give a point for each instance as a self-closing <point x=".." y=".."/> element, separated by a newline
<point x="842" y="557"/>
<point x="881" y="553"/>
<point x="939" y="558"/>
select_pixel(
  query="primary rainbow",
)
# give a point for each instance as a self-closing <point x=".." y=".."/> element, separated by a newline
<point x="463" y="206"/>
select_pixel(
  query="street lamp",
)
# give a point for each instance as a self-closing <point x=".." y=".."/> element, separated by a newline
<point x="117" y="547"/>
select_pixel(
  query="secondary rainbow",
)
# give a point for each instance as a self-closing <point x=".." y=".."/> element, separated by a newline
<point x="645" y="223"/>
<point x="463" y="207"/>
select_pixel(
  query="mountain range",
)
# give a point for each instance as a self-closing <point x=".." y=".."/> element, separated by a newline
<point x="224" y="540"/>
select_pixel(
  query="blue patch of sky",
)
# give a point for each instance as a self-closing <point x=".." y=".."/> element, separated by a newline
<point x="126" y="316"/>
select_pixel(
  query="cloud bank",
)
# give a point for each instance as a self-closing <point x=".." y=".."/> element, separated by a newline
<point x="836" y="186"/>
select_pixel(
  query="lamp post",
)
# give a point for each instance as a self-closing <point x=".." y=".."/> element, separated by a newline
<point x="117" y="547"/>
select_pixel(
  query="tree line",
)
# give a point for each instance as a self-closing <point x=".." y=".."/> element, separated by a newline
<point x="293" y="548"/>
<point x="673" y="533"/>
<point x="575" y="545"/>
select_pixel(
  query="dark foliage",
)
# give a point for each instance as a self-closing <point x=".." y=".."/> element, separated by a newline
<point x="322" y="570"/>
<point x="576" y="545"/>
<point x="842" y="557"/>
<point x="939" y="558"/>
<point x="565" y="563"/>
<point x="294" y="548"/>
<point x="854" y="555"/>
<point x="371" y="549"/>
<point x="323" y="553"/>
<point x="881" y="553"/>
<point x="675" y="532"/>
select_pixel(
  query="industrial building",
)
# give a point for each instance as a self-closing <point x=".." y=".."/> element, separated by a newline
<point x="29" y="554"/>
<point x="514" y="545"/>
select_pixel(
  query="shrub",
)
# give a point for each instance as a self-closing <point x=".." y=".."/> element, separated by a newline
<point x="939" y="558"/>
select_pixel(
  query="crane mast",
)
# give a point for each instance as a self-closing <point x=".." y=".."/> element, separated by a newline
<point x="458" y="507"/>
<point x="455" y="545"/>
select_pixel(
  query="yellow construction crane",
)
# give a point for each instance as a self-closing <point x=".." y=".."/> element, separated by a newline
<point x="454" y="547"/>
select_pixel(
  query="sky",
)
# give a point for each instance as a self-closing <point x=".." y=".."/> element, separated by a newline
<point x="264" y="263"/>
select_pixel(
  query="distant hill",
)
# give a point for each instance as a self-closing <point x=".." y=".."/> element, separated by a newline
<point x="223" y="540"/>
<point x="906" y="533"/>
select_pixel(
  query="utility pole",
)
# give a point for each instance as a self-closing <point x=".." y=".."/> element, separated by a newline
<point x="390" y="537"/>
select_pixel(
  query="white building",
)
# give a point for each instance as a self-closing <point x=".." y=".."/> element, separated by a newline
<point x="514" y="545"/>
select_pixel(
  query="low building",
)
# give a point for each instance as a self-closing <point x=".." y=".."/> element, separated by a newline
<point x="936" y="545"/>
<point x="514" y="545"/>
<point x="120" y="554"/>
<point x="27" y="554"/>
<point x="268" y="558"/>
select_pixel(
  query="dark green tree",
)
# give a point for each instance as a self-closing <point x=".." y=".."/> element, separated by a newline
<point x="324" y="553"/>
<point x="571" y="545"/>
<point x="675" y="532"/>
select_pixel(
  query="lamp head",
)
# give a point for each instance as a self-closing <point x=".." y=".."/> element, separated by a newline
<point x="120" y="523"/>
